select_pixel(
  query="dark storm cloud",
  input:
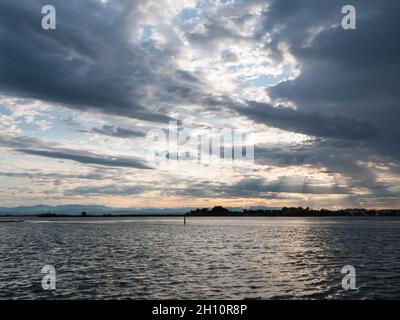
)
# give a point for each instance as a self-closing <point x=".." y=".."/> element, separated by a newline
<point x="346" y="74"/>
<point x="308" y="123"/>
<point x="89" y="62"/>
<point x="86" y="158"/>
<point x="118" y="132"/>
<point x="40" y="148"/>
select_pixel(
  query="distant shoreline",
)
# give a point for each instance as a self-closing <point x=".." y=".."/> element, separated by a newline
<point x="295" y="212"/>
<point x="219" y="211"/>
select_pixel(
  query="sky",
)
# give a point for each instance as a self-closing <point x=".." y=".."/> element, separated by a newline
<point x="319" y="104"/>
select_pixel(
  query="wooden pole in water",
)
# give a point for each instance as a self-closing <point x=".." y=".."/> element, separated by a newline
<point x="184" y="219"/>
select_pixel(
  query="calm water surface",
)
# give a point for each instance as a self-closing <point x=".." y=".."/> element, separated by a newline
<point x="217" y="258"/>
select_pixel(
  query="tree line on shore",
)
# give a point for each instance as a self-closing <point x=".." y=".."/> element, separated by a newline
<point x="293" y="212"/>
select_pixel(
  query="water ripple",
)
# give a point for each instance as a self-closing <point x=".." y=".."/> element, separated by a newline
<point x="224" y="258"/>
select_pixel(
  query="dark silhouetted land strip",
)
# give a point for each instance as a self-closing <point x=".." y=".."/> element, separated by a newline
<point x="219" y="211"/>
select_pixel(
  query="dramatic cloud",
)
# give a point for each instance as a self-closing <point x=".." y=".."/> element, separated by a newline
<point x="344" y="73"/>
<point x="320" y="103"/>
<point x="39" y="148"/>
<point x="91" y="62"/>
<point x="332" y="158"/>
<point x="87" y="158"/>
<point x="308" y="123"/>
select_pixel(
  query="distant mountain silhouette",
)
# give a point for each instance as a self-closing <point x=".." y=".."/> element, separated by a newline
<point x="77" y="209"/>
<point x="61" y="209"/>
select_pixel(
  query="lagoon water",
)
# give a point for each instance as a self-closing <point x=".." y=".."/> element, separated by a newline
<point x="209" y="258"/>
